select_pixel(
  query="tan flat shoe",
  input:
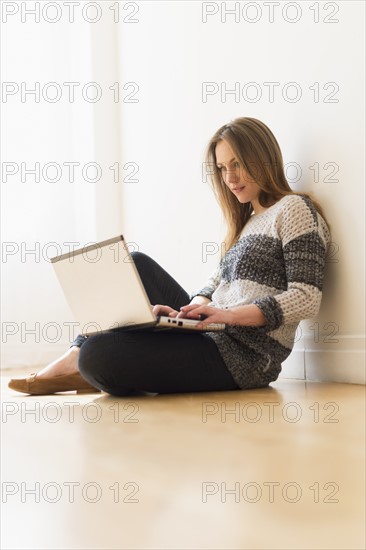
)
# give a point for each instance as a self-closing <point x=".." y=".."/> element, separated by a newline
<point x="45" y="386"/>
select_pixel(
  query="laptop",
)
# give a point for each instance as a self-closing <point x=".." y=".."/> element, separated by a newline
<point x="103" y="288"/>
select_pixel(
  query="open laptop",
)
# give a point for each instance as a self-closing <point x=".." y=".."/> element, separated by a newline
<point x="104" y="290"/>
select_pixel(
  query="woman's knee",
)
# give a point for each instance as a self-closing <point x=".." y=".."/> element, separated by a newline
<point x="138" y="256"/>
<point x="143" y="261"/>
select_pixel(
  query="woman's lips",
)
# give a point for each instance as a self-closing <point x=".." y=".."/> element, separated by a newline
<point x="238" y="189"/>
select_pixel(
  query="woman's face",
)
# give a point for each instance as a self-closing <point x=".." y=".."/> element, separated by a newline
<point x="236" y="177"/>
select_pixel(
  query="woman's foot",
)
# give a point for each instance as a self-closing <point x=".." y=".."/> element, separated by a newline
<point x="66" y="364"/>
<point x="46" y="386"/>
<point x="60" y="375"/>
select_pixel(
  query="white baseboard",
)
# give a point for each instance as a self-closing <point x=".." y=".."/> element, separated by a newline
<point x="339" y="361"/>
<point x="343" y="366"/>
<point x="294" y="366"/>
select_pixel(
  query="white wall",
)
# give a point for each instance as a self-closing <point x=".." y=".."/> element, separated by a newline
<point x="166" y="52"/>
<point x="167" y="130"/>
<point x="35" y="214"/>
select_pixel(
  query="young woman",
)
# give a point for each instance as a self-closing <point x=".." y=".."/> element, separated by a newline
<point x="269" y="278"/>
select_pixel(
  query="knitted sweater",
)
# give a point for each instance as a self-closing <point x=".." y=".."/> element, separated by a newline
<point x="278" y="265"/>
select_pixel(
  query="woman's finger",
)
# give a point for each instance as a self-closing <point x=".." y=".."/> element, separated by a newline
<point x="199" y="310"/>
<point x="186" y="309"/>
<point x="189" y="307"/>
<point x="159" y="309"/>
<point x="209" y="320"/>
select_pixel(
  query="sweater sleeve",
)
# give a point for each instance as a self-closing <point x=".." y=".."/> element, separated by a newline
<point x="305" y="238"/>
<point x="210" y="285"/>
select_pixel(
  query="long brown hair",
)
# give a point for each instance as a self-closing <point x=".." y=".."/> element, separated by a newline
<point x="258" y="152"/>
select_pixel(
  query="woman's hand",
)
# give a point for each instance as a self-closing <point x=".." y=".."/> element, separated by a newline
<point x="209" y="314"/>
<point x="159" y="309"/>
<point x="248" y="315"/>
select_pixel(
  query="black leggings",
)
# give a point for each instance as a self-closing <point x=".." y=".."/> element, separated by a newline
<point x="124" y="362"/>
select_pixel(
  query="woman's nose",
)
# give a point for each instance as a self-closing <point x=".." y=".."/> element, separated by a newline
<point x="231" y="176"/>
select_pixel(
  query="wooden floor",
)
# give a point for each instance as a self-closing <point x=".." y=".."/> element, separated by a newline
<point x="275" y="468"/>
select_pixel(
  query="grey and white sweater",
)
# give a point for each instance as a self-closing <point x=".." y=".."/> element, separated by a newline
<point x="277" y="264"/>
